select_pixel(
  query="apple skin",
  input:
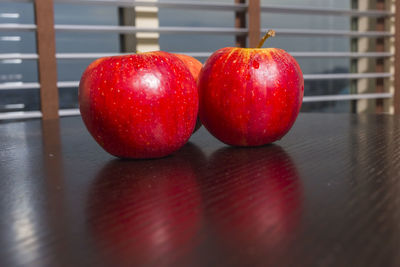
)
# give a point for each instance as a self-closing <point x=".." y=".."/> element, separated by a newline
<point x="144" y="212"/>
<point x="250" y="96"/>
<point x="195" y="67"/>
<point x="139" y="106"/>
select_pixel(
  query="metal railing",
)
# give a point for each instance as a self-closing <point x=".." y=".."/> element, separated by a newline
<point x="251" y="32"/>
<point x="194" y="30"/>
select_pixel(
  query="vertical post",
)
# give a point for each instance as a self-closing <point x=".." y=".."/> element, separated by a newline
<point x="240" y="23"/>
<point x="364" y="64"/>
<point x="147" y="17"/>
<point x="354" y="62"/>
<point x="127" y="41"/>
<point x="47" y="64"/>
<point x="397" y="59"/>
<point x="380" y="62"/>
<point x="254" y="13"/>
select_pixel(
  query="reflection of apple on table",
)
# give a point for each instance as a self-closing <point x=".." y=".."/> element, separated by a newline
<point x="141" y="212"/>
<point x="256" y="204"/>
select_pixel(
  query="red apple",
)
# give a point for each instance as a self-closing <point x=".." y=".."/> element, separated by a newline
<point x="139" y="106"/>
<point x="255" y="197"/>
<point x="146" y="212"/>
<point x="250" y="96"/>
<point x="195" y="67"/>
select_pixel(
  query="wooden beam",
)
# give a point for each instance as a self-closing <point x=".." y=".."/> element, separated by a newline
<point x="240" y="22"/>
<point x="397" y="60"/>
<point x="380" y="62"/>
<point x="47" y="64"/>
<point x="254" y="13"/>
<point x="127" y="18"/>
<point x="354" y="61"/>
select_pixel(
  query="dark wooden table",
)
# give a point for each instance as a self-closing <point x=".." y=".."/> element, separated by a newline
<point x="327" y="194"/>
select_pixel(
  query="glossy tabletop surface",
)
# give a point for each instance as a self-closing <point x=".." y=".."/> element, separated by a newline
<point x="327" y="194"/>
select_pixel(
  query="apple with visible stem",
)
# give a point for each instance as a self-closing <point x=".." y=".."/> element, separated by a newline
<point x="195" y="67"/>
<point x="139" y="106"/>
<point x="250" y="96"/>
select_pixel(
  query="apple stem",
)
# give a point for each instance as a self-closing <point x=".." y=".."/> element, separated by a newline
<point x="270" y="33"/>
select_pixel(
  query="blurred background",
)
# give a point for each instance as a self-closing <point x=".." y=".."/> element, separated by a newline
<point x="298" y="32"/>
